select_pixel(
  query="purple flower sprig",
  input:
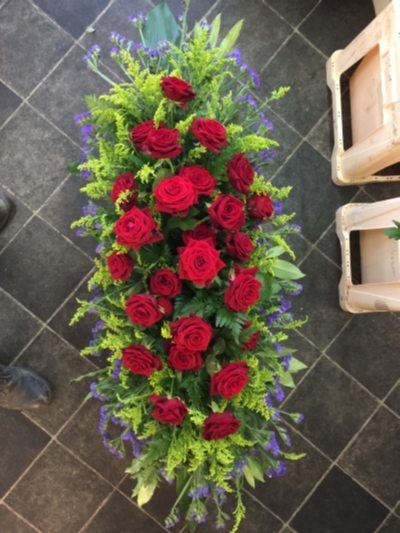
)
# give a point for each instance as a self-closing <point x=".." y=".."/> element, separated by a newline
<point x="200" y="492"/>
<point x="273" y="445"/>
<point x="138" y="20"/>
<point x="279" y="470"/>
<point x="92" y="58"/>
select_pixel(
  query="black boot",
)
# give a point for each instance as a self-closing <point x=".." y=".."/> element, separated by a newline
<point x="5" y="207"/>
<point x="22" y="388"/>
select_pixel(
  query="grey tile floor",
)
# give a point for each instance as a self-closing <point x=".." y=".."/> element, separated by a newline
<point x="55" y="476"/>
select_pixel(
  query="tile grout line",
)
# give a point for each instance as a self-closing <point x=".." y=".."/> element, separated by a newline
<point x="21" y="517"/>
<point x="382" y="525"/>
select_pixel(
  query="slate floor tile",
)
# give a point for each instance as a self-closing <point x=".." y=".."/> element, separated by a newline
<point x="393" y="400"/>
<point x="376" y="365"/>
<point x="19" y="214"/>
<point x="383" y="190"/>
<point x="306" y="352"/>
<point x="83" y="438"/>
<point x="17" y="328"/>
<point x="373" y="457"/>
<point x="197" y="10"/>
<point x="64" y="207"/>
<point x="299" y="245"/>
<point x="321" y="278"/>
<point x="61" y="97"/>
<point x="67" y="492"/>
<point x="12" y="523"/>
<point x="52" y="358"/>
<point x="258" y="20"/>
<point x="314" y="197"/>
<point x="292" y="12"/>
<point x="284" y="494"/>
<point x="333" y="24"/>
<point x="391" y="525"/>
<point x="339" y="504"/>
<point x="30" y="46"/>
<point x="9" y="102"/>
<point x="331" y="417"/>
<point x="33" y="268"/>
<point x="20" y="442"/>
<point x="301" y="67"/>
<point x="287" y="138"/>
<point x="120" y="516"/>
<point x="75" y="15"/>
<point x="33" y="152"/>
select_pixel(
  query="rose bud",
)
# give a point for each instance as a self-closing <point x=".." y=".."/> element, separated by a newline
<point x="220" y="425"/>
<point x="162" y="143"/>
<point x="253" y="341"/>
<point x="244" y="290"/>
<point x="183" y="360"/>
<point x="239" y="245"/>
<point x="177" y="90"/>
<point x="140" y="360"/>
<point x="209" y="133"/>
<point x="125" y="182"/>
<point x="240" y="173"/>
<point x="136" y="228"/>
<point x="201" y="179"/>
<point x="143" y="309"/>
<point x="260" y="206"/>
<point x="165" y="306"/>
<point x="191" y="333"/>
<point x="120" y="266"/>
<point x="230" y="380"/>
<point x="170" y="411"/>
<point x="166" y="283"/>
<point x="226" y="212"/>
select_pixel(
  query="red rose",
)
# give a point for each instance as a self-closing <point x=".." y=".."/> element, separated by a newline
<point x="200" y="262"/>
<point x="143" y="309"/>
<point x="226" y="212"/>
<point x="239" y="245"/>
<point x="209" y="133"/>
<point x="177" y="90"/>
<point x="125" y="182"/>
<point x="136" y="228"/>
<point x="201" y="179"/>
<point x="162" y="143"/>
<point x="184" y="360"/>
<point x="191" y="333"/>
<point x="175" y="195"/>
<point x="200" y="233"/>
<point x="120" y="265"/>
<point x="165" y="306"/>
<point x="230" y="380"/>
<point x="243" y="291"/>
<point x="166" y="283"/>
<point x="171" y="411"/>
<point x="139" y="133"/>
<point x="220" y="425"/>
<point x="260" y="206"/>
<point x="140" y="360"/>
<point x="240" y="173"/>
<point x="253" y="341"/>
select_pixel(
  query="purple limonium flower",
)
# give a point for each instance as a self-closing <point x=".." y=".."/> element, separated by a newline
<point x="179" y="17"/>
<point x="296" y="227"/>
<point x="85" y="174"/>
<point x="279" y="471"/>
<point x="82" y="116"/>
<point x="254" y="75"/>
<point x="249" y="99"/>
<point x="163" y="46"/>
<point x="164" y="475"/>
<point x="92" y="209"/>
<point x="277" y="207"/>
<point x="114" y="36"/>
<point x="286" y="361"/>
<point x="237" y="56"/>
<point x="173" y="520"/>
<point x="96" y="395"/>
<point x="117" y="369"/>
<point x="198" y="516"/>
<point x="200" y="492"/>
<point x="79" y="232"/>
<point x="103" y="420"/>
<point x="268" y="400"/>
<point x="114" y="51"/>
<point x="98" y="226"/>
<point x="267" y="155"/>
<point x="278" y="347"/>
<point x="112" y="450"/>
<point x="273" y="317"/>
<point x="265" y="121"/>
<point x="285" y="306"/>
<point x="206" y="26"/>
<point x="138" y="18"/>
<point x="92" y="55"/>
<point x="128" y="436"/>
<point x="279" y="394"/>
<point x="100" y="246"/>
<point x="286" y="437"/>
<point x="245" y="67"/>
<point x="85" y="210"/>
<point x="276" y="415"/>
<point x="297" y="291"/>
<point x="136" y="450"/>
<point x="273" y="445"/>
<point x="262" y="312"/>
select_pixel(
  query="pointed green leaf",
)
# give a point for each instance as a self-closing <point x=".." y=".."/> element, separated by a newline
<point x="196" y="30"/>
<point x="296" y="365"/>
<point x="275" y="251"/>
<point x="249" y="476"/>
<point x="285" y="270"/>
<point x="73" y="168"/>
<point x="256" y="469"/>
<point x="145" y="494"/>
<point x="161" y="26"/>
<point x="287" y="380"/>
<point x="230" y="39"/>
<point x="90" y="30"/>
<point x="215" y="24"/>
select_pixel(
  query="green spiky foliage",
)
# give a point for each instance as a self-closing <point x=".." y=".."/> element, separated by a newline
<point x="201" y="467"/>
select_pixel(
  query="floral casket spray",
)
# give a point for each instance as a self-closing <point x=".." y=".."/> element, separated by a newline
<point x="190" y="290"/>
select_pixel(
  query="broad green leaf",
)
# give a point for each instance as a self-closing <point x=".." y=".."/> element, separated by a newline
<point x="230" y="39"/>
<point x="192" y="526"/>
<point x="249" y="476"/>
<point x="161" y="26"/>
<point x="211" y="364"/>
<point x="187" y="224"/>
<point x="196" y="30"/>
<point x="296" y="365"/>
<point x="173" y="223"/>
<point x="214" y="407"/>
<point x="285" y="270"/>
<point x="215" y="24"/>
<point x="256" y="469"/>
<point x="134" y="468"/>
<point x="287" y="380"/>
<point x="275" y="251"/>
<point x="145" y="494"/>
<point x="219" y="346"/>
<point x="161" y="174"/>
<point x="393" y="233"/>
<point x="73" y="168"/>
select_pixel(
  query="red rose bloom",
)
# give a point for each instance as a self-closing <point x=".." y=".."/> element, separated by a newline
<point x="165" y="306"/>
<point x="209" y="133"/>
<point x="260" y="206"/>
<point x="120" y="266"/>
<point x="239" y="245"/>
<point x="136" y="228"/>
<point x="166" y="283"/>
<point x="243" y="291"/>
<point x="140" y="360"/>
<point x="200" y="233"/>
<point x="140" y="132"/>
<point x="184" y="360"/>
<point x="143" y="309"/>
<point x="191" y="333"/>
<point x="220" y="425"/>
<point x="253" y="341"/>
<point x="162" y="143"/>
<point x="226" y="212"/>
<point x="201" y="179"/>
<point x="240" y="173"/>
<point x="200" y="262"/>
<point x="125" y="182"/>
<point x="175" y="195"/>
<point x="177" y="90"/>
<point x="230" y="380"/>
<point x="170" y="411"/>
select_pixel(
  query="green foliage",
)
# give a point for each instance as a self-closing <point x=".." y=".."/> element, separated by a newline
<point x="393" y="233"/>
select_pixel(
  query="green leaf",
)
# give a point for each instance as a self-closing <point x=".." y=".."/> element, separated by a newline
<point x="295" y="365"/>
<point x="285" y="270"/>
<point x="211" y="364"/>
<point x="249" y="476"/>
<point x="145" y="493"/>
<point x="90" y="375"/>
<point x="215" y="24"/>
<point x="293" y="456"/>
<point x="214" y="407"/>
<point x="286" y="380"/>
<point x="89" y="29"/>
<point x="73" y="168"/>
<point x="196" y="30"/>
<point x="275" y="251"/>
<point x="161" y="26"/>
<point x="256" y="469"/>
<point x="219" y="346"/>
<point x="161" y="174"/>
<point x="192" y="526"/>
<point x="230" y="39"/>
<point x="135" y="467"/>
<point x="187" y="224"/>
<point x="393" y="233"/>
